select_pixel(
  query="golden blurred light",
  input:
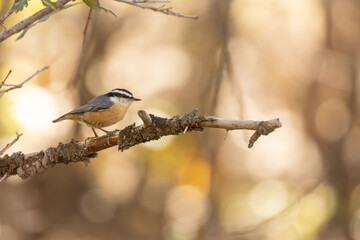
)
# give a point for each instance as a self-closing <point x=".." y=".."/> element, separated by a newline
<point x="119" y="178"/>
<point x="34" y="108"/>
<point x="187" y="209"/>
<point x="287" y="19"/>
<point x="268" y="198"/>
<point x="283" y="231"/>
<point x="314" y="210"/>
<point x="158" y="64"/>
<point x="97" y="206"/>
<point x="355" y="225"/>
<point x="196" y="173"/>
<point x="236" y="214"/>
<point x="351" y="147"/>
<point x="332" y="119"/>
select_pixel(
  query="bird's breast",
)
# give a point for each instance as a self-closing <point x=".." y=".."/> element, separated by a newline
<point x="105" y="117"/>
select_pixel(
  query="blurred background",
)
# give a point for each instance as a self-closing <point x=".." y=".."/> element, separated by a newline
<point x="242" y="59"/>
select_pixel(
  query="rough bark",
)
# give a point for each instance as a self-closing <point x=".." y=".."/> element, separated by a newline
<point x="28" y="165"/>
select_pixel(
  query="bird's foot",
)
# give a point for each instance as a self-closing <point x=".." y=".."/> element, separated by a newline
<point x="108" y="133"/>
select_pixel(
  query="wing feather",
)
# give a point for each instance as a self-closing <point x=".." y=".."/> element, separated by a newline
<point x="99" y="103"/>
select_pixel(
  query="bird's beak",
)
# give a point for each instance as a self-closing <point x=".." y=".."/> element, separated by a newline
<point x="136" y="99"/>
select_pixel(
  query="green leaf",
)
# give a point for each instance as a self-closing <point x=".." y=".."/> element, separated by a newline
<point x="49" y="3"/>
<point x="92" y="4"/>
<point x="107" y="10"/>
<point x="20" y="4"/>
<point x="24" y="32"/>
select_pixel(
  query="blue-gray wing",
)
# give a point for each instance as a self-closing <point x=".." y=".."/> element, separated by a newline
<point x="99" y="103"/>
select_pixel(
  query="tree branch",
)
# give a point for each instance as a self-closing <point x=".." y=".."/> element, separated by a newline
<point x="15" y="86"/>
<point x="30" y="20"/>
<point x="7" y="14"/>
<point x="6" y="148"/>
<point x="60" y="3"/>
<point x="3" y="82"/>
<point x="162" y="9"/>
<point x="154" y="127"/>
<point x="11" y="143"/>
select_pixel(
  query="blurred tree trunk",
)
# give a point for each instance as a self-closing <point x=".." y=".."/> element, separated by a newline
<point x="336" y="171"/>
<point x="211" y="61"/>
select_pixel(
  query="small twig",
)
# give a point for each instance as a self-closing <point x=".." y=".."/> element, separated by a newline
<point x="165" y="8"/>
<point x="21" y="84"/>
<point x="226" y="133"/>
<point x="4" y="177"/>
<point x="229" y="124"/>
<point x="3" y="82"/>
<point x="86" y="27"/>
<point x="30" y="20"/>
<point x="10" y="144"/>
<point x="263" y="129"/>
<point x="7" y="85"/>
<point x="145" y="117"/>
<point x="160" y="9"/>
<point x="7" y="14"/>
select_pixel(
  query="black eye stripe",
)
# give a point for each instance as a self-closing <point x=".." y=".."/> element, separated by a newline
<point x="117" y="94"/>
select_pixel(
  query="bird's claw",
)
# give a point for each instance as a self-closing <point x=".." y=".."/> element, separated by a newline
<point x="108" y="140"/>
<point x="108" y="133"/>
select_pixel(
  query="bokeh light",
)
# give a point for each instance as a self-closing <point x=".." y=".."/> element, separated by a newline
<point x="253" y="59"/>
<point x="119" y="177"/>
<point x="332" y="119"/>
<point x="186" y="208"/>
<point x="351" y="147"/>
<point x="268" y="198"/>
<point x="314" y="210"/>
<point x="33" y="108"/>
<point x="236" y="213"/>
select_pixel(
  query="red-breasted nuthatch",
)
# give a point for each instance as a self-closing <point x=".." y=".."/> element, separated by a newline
<point x="102" y="111"/>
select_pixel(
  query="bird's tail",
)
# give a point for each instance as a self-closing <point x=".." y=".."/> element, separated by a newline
<point x="63" y="117"/>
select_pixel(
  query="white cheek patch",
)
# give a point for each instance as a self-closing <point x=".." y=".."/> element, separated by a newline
<point x="123" y="101"/>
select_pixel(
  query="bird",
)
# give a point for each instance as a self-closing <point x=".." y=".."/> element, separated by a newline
<point x="102" y="111"/>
